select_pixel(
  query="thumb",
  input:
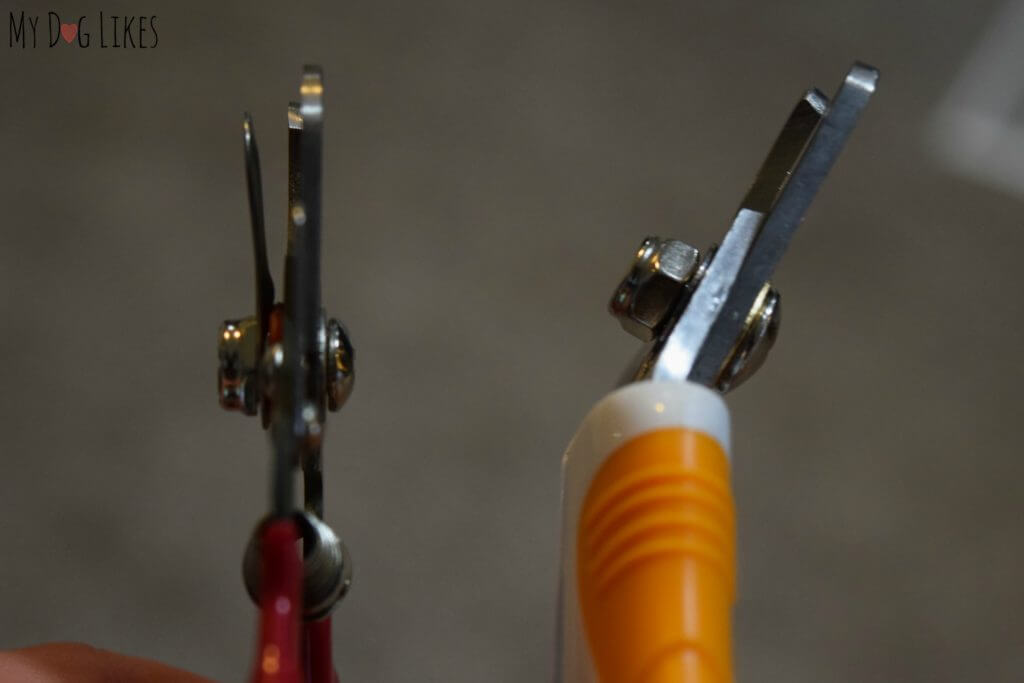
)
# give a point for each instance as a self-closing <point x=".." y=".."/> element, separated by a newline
<point x="64" y="662"/>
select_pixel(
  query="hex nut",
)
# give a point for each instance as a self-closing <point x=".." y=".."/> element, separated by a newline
<point x="237" y="372"/>
<point x="647" y="295"/>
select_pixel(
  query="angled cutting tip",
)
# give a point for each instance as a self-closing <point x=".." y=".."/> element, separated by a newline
<point x="311" y="91"/>
<point x="863" y="76"/>
<point x="294" y="117"/>
<point x="796" y="133"/>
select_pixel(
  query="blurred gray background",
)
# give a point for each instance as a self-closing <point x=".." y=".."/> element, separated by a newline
<point x="490" y="166"/>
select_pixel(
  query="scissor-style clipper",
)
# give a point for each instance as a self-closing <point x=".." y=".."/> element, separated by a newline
<point x="712" y="318"/>
<point x="290" y="364"/>
<point x="649" y="539"/>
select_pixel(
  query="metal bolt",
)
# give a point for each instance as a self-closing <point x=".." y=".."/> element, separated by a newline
<point x="647" y="296"/>
<point x="237" y="374"/>
<point x="759" y="334"/>
<point x="340" y="365"/>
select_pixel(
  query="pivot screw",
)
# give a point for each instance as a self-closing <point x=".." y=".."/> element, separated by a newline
<point x="759" y="334"/>
<point x="340" y="365"/>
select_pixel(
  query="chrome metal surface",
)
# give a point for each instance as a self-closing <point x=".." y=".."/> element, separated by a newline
<point x="310" y="366"/>
<point x="241" y="342"/>
<point x="307" y="307"/>
<point x="299" y="368"/>
<point x="297" y="421"/>
<point x="711" y="329"/>
<point x="339" y="365"/>
<point x="254" y="183"/>
<point x="238" y="372"/>
<point x="294" y="177"/>
<point x="785" y="216"/>
<point x="326" y="566"/>
<point x="759" y="334"/>
<point x="647" y="295"/>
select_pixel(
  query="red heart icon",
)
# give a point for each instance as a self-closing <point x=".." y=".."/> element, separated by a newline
<point x="68" y="32"/>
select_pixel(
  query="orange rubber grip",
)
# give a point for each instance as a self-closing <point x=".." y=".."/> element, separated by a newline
<point x="656" y="561"/>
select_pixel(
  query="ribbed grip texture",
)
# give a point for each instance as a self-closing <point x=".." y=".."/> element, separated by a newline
<point x="656" y="561"/>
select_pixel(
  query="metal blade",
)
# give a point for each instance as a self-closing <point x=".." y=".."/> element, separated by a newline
<point x="778" y="227"/>
<point x="308" y="259"/>
<point x="299" y="418"/>
<point x="294" y="200"/>
<point x="673" y="356"/>
<point x="287" y="421"/>
<point x="294" y="154"/>
<point x="264" y="281"/>
<point x="788" y="147"/>
<point x="312" y="111"/>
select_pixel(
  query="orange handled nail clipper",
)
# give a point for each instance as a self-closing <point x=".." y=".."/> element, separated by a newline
<point x="648" y="573"/>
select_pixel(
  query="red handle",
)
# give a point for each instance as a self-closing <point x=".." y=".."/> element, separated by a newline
<point x="319" y="662"/>
<point x="278" y="658"/>
<point x="287" y="654"/>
